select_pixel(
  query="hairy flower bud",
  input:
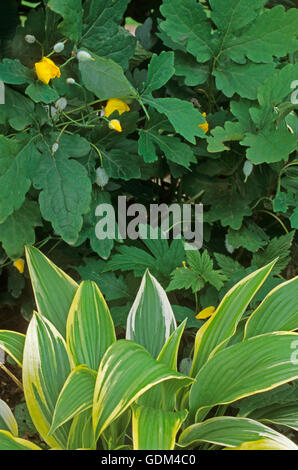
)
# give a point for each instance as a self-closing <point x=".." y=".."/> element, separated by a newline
<point x="70" y="81"/>
<point x="101" y="177"/>
<point x="61" y="104"/>
<point x="82" y="56"/>
<point x="55" y="147"/>
<point x="59" y="47"/>
<point x="30" y="39"/>
<point x="247" y="168"/>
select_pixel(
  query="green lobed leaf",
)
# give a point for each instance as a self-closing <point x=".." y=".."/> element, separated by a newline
<point x="105" y="79"/>
<point x="65" y="193"/>
<point x="15" y="73"/>
<point x="102" y="33"/>
<point x="182" y="115"/>
<point x="160" y="70"/>
<point x="186" y="23"/>
<point x="72" y="12"/>
<point x="19" y="159"/>
<point x="18" y="229"/>
<point x="40" y="92"/>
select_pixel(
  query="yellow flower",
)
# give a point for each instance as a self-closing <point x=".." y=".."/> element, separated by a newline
<point x="204" y="126"/>
<point x="19" y="264"/>
<point x="114" y="104"/>
<point x="206" y="313"/>
<point x="115" y="124"/>
<point x="184" y="264"/>
<point x="46" y="70"/>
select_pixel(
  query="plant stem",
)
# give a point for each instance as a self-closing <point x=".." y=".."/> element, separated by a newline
<point x="12" y="376"/>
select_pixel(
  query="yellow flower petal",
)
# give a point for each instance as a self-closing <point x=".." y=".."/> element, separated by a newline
<point x="206" y="313"/>
<point x="19" y="264"/>
<point x="46" y="69"/>
<point x="115" y="124"/>
<point x="204" y="126"/>
<point x="114" y="104"/>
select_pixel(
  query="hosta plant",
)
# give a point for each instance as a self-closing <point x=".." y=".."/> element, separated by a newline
<point x="86" y="389"/>
<point x="198" y="106"/>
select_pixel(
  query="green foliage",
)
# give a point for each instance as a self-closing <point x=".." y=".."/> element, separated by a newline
<point x="84" y="387"/>
<point x="210" y="117"/>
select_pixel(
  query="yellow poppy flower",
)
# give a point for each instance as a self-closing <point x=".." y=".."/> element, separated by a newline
<point x="114" y="104"/>
<point x="206" y="313"/>
<point x="20" y="265"/>
<point x="115" y="124"/>
<point x="204" y="126"/>
<point x="46" y="69"/>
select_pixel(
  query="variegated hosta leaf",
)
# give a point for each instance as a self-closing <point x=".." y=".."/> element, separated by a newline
<point x="53" y="289"/>
<point x="263" y="444"/>
<point x="46" y="367"/>
<point x="232" y="432"/>
<point x="277" y="312"/>
<point x="284" y="415"/>
<point x="163" y="395"/>
<point x="114" y="434"/>
<point x="12" y="343"/>
<point x="75" y="397"/>
<point x="81" y="434"/>
<point x="154" y="429"/>
<point x="10" y="442"/>
<point x="90" y="329"/>
<point x="214" y="334"/>
<point x="126" y="372"/>
<point x="7" y="419"/>
<point x="151" y="320"/>
<point x="256" y="365"/>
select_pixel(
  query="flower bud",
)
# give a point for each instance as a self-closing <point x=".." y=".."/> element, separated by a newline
<point x="82" y="56"/>
<point x="54" y="112"/>
<point x="20" y="265"/>
<point x="61" y="104"/>
<point x="101" y="177"/>
<point x="230" y="249"/>
<point x="247" y="169"/>
<point x="55" y="147"/>
<point x="30" y="39"/>
<point x="70" y="81"/>
<point x="59" y="47"/>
